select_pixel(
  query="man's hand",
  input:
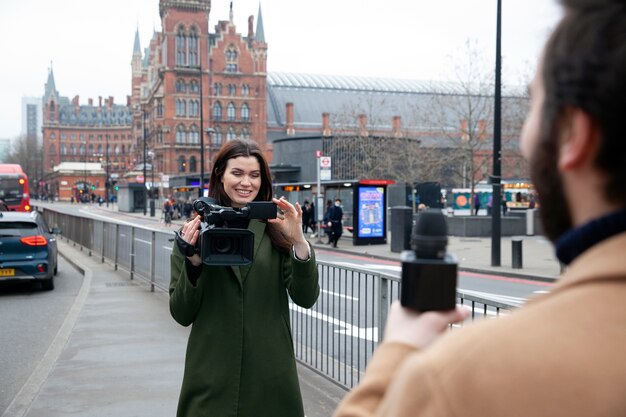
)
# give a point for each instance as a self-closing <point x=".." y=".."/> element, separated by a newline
<point x="420" y="329"/>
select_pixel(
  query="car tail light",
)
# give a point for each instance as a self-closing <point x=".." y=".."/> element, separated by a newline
<point x="41" y="267"/>
<point x="27" y="207"/>
<point x="34" y="240"/>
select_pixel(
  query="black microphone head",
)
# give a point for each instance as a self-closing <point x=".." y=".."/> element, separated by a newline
<point x="430" y="235"/>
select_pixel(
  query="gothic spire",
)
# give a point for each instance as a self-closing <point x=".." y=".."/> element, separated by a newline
<point x="50" y="87"/>
<point x="260" y="35"/>
<point x="137" y="47"/>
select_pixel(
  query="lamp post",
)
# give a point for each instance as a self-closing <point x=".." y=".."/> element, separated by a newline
<point x="201" y="189"/>
<point x="151" y="155"/>
<point x="145" y="189"/>
<point x="496" y="198"/>
<point x="209" y="131"/>
<point x="106" y="166"/>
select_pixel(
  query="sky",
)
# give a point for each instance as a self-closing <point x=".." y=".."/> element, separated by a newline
<point x="89" y="43"/>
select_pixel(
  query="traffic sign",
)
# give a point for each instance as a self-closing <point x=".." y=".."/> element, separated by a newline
<point x="325" y="162"/>
<point x="318" y="153"/>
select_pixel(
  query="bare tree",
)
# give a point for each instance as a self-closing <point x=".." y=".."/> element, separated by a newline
<point x="26" y="152"/>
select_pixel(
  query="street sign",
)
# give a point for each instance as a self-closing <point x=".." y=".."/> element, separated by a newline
<point x="325" y="162"/>
<point x="325" y="175"/>
<point x="318" y="154"/>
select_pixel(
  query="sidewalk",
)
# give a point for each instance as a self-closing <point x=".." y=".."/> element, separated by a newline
<point x="119" y="353"/>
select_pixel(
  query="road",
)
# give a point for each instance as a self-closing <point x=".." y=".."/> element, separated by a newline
<point x="29" y="321"/>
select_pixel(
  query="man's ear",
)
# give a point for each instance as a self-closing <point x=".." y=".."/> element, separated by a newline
<point x="579" y="140"/>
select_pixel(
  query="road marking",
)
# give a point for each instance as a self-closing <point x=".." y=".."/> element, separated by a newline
<point x="508" y="299"/>
<point x="167" y="247"/>
<point x="366" y="333"/>
<point x="143" y="241"/>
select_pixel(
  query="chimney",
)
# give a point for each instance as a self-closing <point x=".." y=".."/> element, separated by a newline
<point x="363" y="125"/>
<point x="76" y="101"/>
<point x="289" y="119"/>
<point x="110" y="102"/>
<point x="325" y="124"/>
<point x="90" y="101"/>
<point x="396" y="126"/>
<point x="250" y="27"/>
<point x="127" y="101"/>
<point x="99" y="101"/>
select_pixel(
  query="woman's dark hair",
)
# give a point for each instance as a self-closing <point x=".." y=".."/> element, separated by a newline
<point x="584" y="67"/>
<point x="234" y="149"/>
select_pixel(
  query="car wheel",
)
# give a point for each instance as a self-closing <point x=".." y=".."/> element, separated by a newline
<point x="47" y="284"/>
<point x="56" y="268"/>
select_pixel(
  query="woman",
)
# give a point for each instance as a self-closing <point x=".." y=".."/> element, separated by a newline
<point x="240" y="360"/>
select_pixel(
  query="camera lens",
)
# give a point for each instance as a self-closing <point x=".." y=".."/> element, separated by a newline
<point x="223" y="244"/>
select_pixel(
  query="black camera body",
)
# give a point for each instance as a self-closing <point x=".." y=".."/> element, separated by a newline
<point x="429" y="275"/>
<point x="224" y="245"/>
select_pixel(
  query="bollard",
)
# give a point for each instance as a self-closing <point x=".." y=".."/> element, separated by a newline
<point x="516" y="254"/>
<point x="401" y="226"/>
<point x="530" y="222"/>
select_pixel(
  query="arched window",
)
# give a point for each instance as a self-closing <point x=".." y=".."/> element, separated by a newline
<point x="231" y="134"/>
<point x="193" y="86"/>
<point x="180" y="86"/>
<point x="245" y="112"/>
<point x="117" y="149"/>
<point x="245" y="133"/>
<point x="217" y="89"/>
<point x="192" y="164"/>
<point x="72" y="149"/>
<point x="193" y="134"/>
<point x="123" y="149"/>
<point x="192" y="45"/>
<point x="91" y="149"/>
<point x="181" y="164"/>
<point x="100" y="149"/>
<point x="217" y="111"/>
<point x="180" y="134"/>
<point x="232" y="90"/>
<point x="181" y="107"/>
<point x="53" y="151"/>
<point x="52" y="136"/>
<point x="82" y="149"/>
<point x="231" y="59"/>
<point x="231" y="111"/>
<point x="180" y="46"/>
<point x="217" y="137"/>
<point x="63" y="149"/>
<point x="194" y="108"/>
<point x="245" y="90"/>
<point x="52" y="111"/>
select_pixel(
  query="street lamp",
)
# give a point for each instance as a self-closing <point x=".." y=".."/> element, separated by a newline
<point x="209" y="131"/>
<point x="496" y="177"/>
<point x="107" y="183"/>
<point x="145" y="189"/>
<point x="151" y="155"/>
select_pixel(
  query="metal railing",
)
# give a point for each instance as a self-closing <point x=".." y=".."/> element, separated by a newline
<point x="336" y="337"/>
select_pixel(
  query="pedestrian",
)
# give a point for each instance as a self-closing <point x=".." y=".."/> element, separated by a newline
<point x="167" y="212"/>
<point x="550" y="357"/>
<point x="504" y="204"/>
<point x="335" y="222"/>
<point x="328" y="230"/>
<point x="306" y="216"/>
<point x="489" y="204"/>
<point x="240" y="358"/>
<point x="313" y="218"/>
<point x="476" y="204"/>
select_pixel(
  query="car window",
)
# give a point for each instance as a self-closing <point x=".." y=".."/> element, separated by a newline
<point x="18" y="229"/>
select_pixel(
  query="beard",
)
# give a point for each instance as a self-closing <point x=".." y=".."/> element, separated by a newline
<point x="554" y="211"/>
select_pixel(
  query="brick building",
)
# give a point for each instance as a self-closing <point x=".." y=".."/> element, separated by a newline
<point x="97" y="133"/>
<point x="186" y="72"/>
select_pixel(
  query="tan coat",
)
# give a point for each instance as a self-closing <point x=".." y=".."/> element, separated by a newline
<point x="563" y="354"/>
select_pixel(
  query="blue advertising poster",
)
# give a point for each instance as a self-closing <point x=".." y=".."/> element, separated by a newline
<point x="371" y="212"/>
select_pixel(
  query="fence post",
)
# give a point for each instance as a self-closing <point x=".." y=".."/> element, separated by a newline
<point x="153" y="262"/>
<point x="132" y="252"/>
<point x="117" y="241"/>
<point x="103" y="225"/>
<point x="383" y="307"/>
<point x="91" y="229"/>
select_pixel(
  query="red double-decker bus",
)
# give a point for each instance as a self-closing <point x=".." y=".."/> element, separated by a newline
<point x="14" y="187"/>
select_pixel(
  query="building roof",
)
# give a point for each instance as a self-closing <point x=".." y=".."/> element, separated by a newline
<point x="94" y="116"/>
<point x="79" y="166"/>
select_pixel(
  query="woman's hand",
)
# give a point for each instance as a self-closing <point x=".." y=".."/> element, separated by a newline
<point x="290" y="224"/>
<point x="420" y="329"/>
<point x="190" y="233"/>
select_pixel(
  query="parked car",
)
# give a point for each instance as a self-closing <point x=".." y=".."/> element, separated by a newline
<point x="28" y="248"/>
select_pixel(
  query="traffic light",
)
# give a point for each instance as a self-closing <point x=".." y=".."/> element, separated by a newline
<point x="117" y="188"/>
<point x="93" y="187"/>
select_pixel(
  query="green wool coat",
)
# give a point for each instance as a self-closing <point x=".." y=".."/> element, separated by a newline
<point x="240" y="358"/>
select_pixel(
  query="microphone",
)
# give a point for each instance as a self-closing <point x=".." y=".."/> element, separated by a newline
<point x="429" y="274"/>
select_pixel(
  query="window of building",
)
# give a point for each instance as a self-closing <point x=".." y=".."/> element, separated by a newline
<point x="193" y="134"/>
<point x="180" y="134"/>
<point x="63" y="149"/>
<point x="192" y="164"/>
<point x="82" y="137"/>
<point x="99" y="138"/>
<point x="231" y="134"/>
<point x="245" y="133"/>
<point x="72" y="136"/>
<point x="217" y="111"/>
<point x="180" y="47"/>
<point x="192" y="45"/>
<point x="72" y="149"/>
<point x="245" y="90"/>
<point x="194" y="108"/>
<point x="82" y="149"/>
<point x="181" y="164"/>
<point x="245" y="112"/>
<point x="63" y="136"/>
<point x="193" y="86"/>
<point x="159" y="135"/>
<point x="91" y="149"/>
<point x="90" y="138"/>
<point x="159" y="108"/>
<point x="180" y="86"/>
<point x="53" y="150"/>
<point x="217" y="137"/>
<point x="180" y="107"/>
<point x="217" y="89"/>
<point x="100" y="150"/>
<point x="123" y="149"/>
<point x="231" y="59"/>
<point x="231" y="111"/>
<point x="52" y="136"/>
<point x="232" y="90"/>
<point x="117" y="149"/>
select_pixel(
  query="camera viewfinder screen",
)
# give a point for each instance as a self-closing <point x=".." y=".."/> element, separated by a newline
<point x="371" y="212"/>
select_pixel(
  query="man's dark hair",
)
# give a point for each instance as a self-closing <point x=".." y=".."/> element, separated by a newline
<point x="584" y="67"/>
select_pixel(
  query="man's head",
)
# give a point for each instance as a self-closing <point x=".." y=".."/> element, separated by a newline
<point x="580" y="86"/>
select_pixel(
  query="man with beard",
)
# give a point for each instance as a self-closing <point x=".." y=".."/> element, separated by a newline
<point x="562" y="354"/>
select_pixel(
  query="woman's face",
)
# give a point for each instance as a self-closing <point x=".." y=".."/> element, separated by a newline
<point x="242" y="180"/>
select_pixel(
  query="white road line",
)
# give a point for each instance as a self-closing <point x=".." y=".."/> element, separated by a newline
<point x="143" y="241"/>
<point x="167" y="247"/>
<point x="366" y="333"/>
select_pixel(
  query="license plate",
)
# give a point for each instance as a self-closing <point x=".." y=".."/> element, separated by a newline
<point x="7" y="272"/>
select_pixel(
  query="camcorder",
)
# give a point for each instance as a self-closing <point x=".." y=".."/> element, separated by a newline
<point x="219" y="243"/>
<point x="429" y="274"/>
